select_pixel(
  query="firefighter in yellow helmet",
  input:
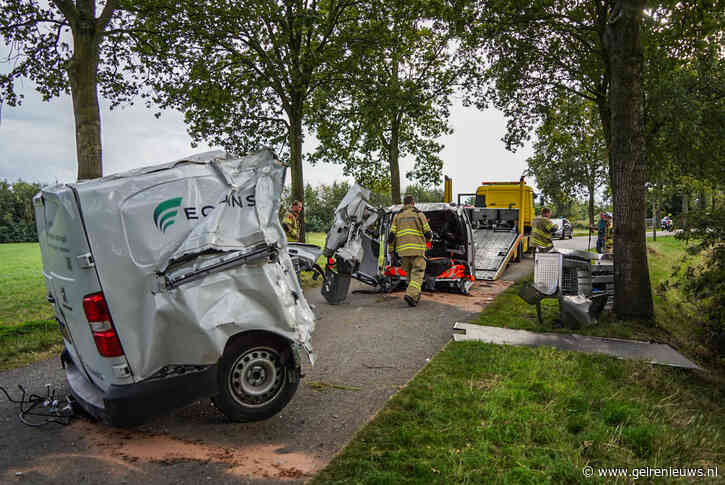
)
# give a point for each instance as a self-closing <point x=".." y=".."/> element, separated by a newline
<point x="409" y="233"/>
<point x="291" y="222"/>
<point x="542" y="230"/>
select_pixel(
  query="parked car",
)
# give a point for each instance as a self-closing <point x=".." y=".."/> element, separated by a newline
<point x="666" y="223"/>
<point x="173" y="283"/>
<point x="565" y="229"/>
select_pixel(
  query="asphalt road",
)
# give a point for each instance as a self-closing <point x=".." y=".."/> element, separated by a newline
<point x="581" y="242"/>
<point x="370" y="347"/>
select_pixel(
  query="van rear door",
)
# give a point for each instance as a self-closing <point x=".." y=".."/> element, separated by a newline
<point x="70" y="276"/>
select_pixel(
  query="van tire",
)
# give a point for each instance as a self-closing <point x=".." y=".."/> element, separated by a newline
<point x="258" y="375"/>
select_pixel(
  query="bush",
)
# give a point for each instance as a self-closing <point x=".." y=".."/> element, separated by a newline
<point x="704" y="284"/>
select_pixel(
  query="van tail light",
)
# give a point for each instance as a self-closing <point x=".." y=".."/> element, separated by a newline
<point x="102" y="329"/>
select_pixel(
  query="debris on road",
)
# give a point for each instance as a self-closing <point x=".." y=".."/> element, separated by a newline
<point x="661" y="354"/>
<point x="322" y="386"/>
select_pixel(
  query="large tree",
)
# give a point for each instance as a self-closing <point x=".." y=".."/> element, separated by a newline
<point x="628" y="168"/>
<point x="244" y="72"/>
<point x="394" y="101"/>
<point x="537" y="52"/>
<point x="71" y="47"/>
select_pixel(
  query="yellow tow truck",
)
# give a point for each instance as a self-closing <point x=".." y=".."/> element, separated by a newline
<point x="500" y="219"/>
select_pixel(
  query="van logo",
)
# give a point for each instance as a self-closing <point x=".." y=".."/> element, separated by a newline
<point x="165" y="213"/>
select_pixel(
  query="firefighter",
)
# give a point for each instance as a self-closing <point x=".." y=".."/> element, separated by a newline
<point x="542" y="230"/>
<point x="291" y="222"/>
<point x="410" y="232"/>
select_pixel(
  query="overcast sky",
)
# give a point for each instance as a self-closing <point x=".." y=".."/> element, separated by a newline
<point x="37" y="144"/>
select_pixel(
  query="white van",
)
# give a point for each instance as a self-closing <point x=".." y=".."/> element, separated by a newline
<point x="173" y="283"/>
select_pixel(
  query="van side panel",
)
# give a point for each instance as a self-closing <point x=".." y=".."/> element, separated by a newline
<point x="70" y="276"/>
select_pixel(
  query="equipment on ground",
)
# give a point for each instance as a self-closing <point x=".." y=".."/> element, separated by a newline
<point x="583" y="282"/>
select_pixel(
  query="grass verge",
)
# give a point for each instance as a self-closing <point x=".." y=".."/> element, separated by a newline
<point x="481" y="413"/>
<point x="28" y="342"/>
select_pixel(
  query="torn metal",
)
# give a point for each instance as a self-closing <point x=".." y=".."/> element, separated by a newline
<point x="189" y="254"/>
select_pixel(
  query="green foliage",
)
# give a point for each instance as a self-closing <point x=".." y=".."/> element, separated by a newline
<point x="424" y="194"/>
<point x="17" y="218"/>
<point x="244" y="73"/>
<point x="320" y="205"/>
<point x="394" y="100"/>
<point x="71" y="47"/>
<point x="39" y="47"/>
<point x="704" y="283"/>
<point x="570" y="156"/>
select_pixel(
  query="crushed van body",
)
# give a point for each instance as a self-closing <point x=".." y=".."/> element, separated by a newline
<point x="186" y="256"/>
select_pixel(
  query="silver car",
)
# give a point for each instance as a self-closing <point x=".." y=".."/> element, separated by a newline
<point x="173" y="283"/>
<point x="565" y="229"/>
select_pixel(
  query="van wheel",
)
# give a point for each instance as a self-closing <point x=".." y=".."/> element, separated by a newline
<point x="464" y="286"/>
<point x="258" y="376"/>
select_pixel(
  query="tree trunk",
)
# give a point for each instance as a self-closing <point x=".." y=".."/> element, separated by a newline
<point x="685" y="210"/>
<point x="394" y="151"/>
<point x="83" y="80"/>
<point x="591" y="190"/>
<point x="633" y="293"/>
<point x="394" y="162"/>
<point x="295" y="143"/>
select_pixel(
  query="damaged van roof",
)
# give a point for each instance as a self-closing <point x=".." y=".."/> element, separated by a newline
<point x="191" y="252"/>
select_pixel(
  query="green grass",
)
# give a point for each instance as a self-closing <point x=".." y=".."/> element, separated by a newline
<point x="22" y="289"/>
<point x="481" y="413"/>
<point x="675" y="319"/>
<point x="28" y="331"/>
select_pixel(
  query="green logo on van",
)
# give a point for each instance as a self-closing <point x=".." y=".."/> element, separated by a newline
<point x="165" y="213"/>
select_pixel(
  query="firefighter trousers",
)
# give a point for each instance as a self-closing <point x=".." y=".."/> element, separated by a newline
<point x="414" y="267"/>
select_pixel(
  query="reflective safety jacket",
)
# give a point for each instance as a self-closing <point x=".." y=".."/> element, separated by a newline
<point x="541" y="231"/>
<point x="291" y="225"/>
<point x="410" y="231"/>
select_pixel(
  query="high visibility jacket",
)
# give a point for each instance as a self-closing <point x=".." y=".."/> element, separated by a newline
<point x="291" y="225"/>
<point x="410" y="230"/>
<point x="541" y="231"/>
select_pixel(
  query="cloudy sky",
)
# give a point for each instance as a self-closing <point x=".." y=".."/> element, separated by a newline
<point x="37" y="144"/>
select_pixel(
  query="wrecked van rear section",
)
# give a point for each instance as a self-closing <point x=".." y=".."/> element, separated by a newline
<point x="193" y="267"/>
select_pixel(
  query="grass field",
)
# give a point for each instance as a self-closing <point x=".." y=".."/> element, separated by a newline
<point x="482" y="413"/>
<point x="28" y="331"/>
